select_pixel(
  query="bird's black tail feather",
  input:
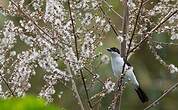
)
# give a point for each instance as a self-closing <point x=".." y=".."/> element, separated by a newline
<point x="141" y="95"/>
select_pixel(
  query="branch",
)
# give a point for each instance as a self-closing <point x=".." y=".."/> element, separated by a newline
<point x="29" y="18"/>
<point x="40" y="29"/>
<point x="6" y="83"/>
<point x="76" y="49"/>
<point x="94" y="75"/>
<point x="135" y="27"/>
<point x="110" y="7"/>
<point x="109" y="21"/>
<point x="165" y="43"/>
<point x="145" y="2"/>
<point x="120" y="81"/>
<point x="75" y="89"/>
<point x="162" y="96"/>
<point x="124" y="28"/>
<point x="153" y="30"/>
<point x="118" y="94"/>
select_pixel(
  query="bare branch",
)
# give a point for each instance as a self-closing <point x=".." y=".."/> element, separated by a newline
<point x="135" y="27"/>
<point x="124" y="28"/>
<point x="112" y="9"/>
<point x="162" y="96"/>
<point x="93" y="75"/>
<point x="109" y="21"/>
<point x="75" y="89"/>
<point x="7" y="84"/>
<point x="165" y="43"/>
<point x="118" y="94"/>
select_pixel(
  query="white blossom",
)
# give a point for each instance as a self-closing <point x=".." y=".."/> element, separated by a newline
<point x="8" y="40"/>
<point x="174" y="36"/>
<point x="159" y="46"/>
<point x="37" y="4"/>
<point x="87" y="19"/>
<point x="105" y="59"/>
<point x="107" y="28"/>
<point x="109" y="86"/>
<point x="173" y="68"/>
<point x="54" y="9"/>
<point x="88" y="45"/>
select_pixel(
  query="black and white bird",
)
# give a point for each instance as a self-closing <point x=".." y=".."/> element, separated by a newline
<point x="117" y="63"/>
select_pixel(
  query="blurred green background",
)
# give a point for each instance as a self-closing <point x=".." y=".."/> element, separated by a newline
<point x="26" y="103"/>
<point x="154" y="77"/>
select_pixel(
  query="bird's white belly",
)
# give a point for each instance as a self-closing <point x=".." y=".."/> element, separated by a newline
<point x="117" y="65"/>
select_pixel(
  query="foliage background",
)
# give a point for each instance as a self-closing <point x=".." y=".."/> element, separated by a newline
<point x="26" y="103"/>
<point x="154" y="78"/>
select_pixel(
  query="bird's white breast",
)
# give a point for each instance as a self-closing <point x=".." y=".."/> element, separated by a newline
<point x="117" y="65"/>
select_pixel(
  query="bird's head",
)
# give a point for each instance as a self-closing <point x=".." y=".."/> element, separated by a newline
<point x="114" y="51"/>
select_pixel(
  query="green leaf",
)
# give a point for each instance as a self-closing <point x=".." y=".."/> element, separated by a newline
<point x="26" y="103"/>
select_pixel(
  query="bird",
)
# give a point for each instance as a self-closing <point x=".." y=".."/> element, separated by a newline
<point x="117" y="63"/>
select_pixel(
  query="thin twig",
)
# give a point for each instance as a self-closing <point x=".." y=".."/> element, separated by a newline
<point x="76" y="49"/>
<point x="88" y="71"/>
<point x="165" y="43"/>
<point x="162" y="96"/>
<point x="100" y="95"/>
<point x="110" y="7"/>
<point x="6" y="83"/>
<point x="145" y="2"/>
<point x="40" y="28"/>
<point x="135" y="27"/>
<point x="154" y="29"/>
<point x="94" y="75"/>
<point x="109" y="21"/>
<point x="75" y="88"/>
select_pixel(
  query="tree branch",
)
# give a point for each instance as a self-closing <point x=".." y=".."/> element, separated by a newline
<point x="162" y="96"/>
<point x="40" y="29"/>
<point x="109" y="21"/>
<point x="75" y="89"/>
<point x="153" y="30"/>
<point x="124" y="28"/>
<point x="110" y="7"/>
<point x="6" y="83"/>
<point x="94" y="75"/>
<point x="135" y="27"/>
<point x="120" y="81"/>
<point x="76" y="49"/>
<point x="29" y="18"/>
<point x="118" y="94"/>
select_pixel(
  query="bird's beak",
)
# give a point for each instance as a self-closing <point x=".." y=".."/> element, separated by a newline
<point x="108" y="49"/>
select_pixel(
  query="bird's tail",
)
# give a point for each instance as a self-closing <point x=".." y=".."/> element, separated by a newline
<point x="141" y="94"/>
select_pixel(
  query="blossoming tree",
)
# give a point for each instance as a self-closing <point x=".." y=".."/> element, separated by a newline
<point x="68" y="32"/>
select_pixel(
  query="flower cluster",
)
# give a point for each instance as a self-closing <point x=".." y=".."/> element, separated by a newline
<point x="173" y="68"/>
<point x="109" y="86"/>
<point x="48" y="35"/>
<point x="7" y="42"/>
